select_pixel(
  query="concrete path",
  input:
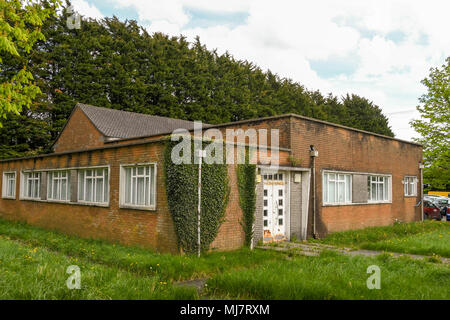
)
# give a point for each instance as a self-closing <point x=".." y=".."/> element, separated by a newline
<point x="314" y="249"/>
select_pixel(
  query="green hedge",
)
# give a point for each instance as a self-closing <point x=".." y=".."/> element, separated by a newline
<point x="246" y="174"/>
<point x="182" y="196"/>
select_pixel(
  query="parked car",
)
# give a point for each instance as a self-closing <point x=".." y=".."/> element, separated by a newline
<point x="433" y="196"/>
<point x="431" y="211"/>
<point x="442" y="204"/>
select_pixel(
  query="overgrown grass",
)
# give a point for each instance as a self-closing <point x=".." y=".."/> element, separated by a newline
<point x="134" y="259"/>
<point x="428" y="237"/>
<point x="430" y="243"/>
<point x="28" y="272"/>
<point x="333" y="276"/>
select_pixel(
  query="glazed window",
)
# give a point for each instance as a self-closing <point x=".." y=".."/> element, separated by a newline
<point x="31" y="188"/>
<point x="410" y="186"/>
<point x="93" y="185"/>
<point x="379" y="188"/>
<point x="337" y="188"/>
<point x="9" y="185"/>
<point x="58" y="187"/>
<point x="138" y="186"/>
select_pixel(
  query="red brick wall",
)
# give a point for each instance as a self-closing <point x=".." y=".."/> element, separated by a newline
<point x="348" y="150"/>
<point x="78" y="134"/>
<point x="231" y="234"/>
<point x="153" y="229"/>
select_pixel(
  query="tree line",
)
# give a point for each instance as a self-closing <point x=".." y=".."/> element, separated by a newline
<point x="120" y="65"/>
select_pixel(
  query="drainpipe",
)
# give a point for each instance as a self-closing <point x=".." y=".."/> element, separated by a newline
<point x="421" y="166"/>
<point x="201" y="155"/>
<point x="314" y="153"/>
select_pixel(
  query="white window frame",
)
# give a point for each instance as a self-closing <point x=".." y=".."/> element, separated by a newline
<point x="82" y="175"/>
<point x="24" y="184"/>
<point x="5" y="185"/>
<point x="407" y="184"/>
<point x="152" y="180"/>
<point x="387" y="179"/>
<point x="50" y="185"/>
<point x="336" y="182"/>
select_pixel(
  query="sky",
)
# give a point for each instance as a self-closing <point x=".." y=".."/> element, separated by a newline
<point x="377" y="49"/>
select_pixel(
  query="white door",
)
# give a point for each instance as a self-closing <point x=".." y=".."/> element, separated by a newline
<point x="274" y="213"/>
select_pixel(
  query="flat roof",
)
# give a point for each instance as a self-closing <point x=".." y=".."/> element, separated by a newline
<point x="286" y="115"/>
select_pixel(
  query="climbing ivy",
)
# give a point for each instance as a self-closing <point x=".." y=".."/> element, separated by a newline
<point x="182" y="196"/>
<point x="246" y="174"/>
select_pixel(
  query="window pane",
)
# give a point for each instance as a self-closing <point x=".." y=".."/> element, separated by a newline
<point x="128" y="185"/>
<point x="380" y="191"/>
<point x="325" y="188"/>
<point x="49" y="185"/>
<point x="99" y="191"/>
<point x="106" y="182"/>
<point x="373" y="194"/>
<point x="332" y="192"/>
<point x="89" y="190"/>
<point x="134" y="190"/>
<point x="63" y="189"/>
<point x="341" y="192"/>
<point x="348" y="188"/>
<point x="55" y="189"/>
<point x="81" y="185"/>
<point x="140" y="191"/>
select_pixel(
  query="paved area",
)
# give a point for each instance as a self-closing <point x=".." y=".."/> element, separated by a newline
<point x="314" y="249"/>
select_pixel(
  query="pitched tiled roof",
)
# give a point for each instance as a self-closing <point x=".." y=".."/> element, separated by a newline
<point x="123" y="124"/>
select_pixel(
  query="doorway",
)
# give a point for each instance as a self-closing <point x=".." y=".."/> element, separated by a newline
<point x="274" y="206"/>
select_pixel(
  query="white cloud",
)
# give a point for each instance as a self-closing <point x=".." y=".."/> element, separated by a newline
<point x="86" y="10"/>
<point x="284" y="36"/>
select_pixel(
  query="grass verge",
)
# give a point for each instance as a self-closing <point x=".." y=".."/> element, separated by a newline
<point x="427" y="238"/>
<point x="134" y="259"/>
<point x="28" y="272"/>
<point x="334" y="276"/>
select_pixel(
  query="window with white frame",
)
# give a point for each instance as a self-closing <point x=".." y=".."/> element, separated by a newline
<point x="138" y="186"/>
<point x="379" y="188"/>
<point x="410" y="186"/>
<point x="337" y="188"/>
<point x="93" y="185"/>
<point x="9" y="185"/>
<point x="31" y="187"/>
<point x="58" y="187"/>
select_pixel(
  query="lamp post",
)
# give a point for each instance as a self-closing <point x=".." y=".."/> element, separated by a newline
<point x="201" y="155"/>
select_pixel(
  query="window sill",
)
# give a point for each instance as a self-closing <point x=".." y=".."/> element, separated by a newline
<point x="410" y="196"/>
<point x="92" y="204"/>
<point x="144" y="208"/>
<point x="29" y="199"/>
<point x="354" y="204"/>
<point x="9" y="198"/>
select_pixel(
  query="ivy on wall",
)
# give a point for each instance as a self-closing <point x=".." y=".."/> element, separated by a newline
<point x="182" y="195"/>
<point x="246" y="176"/>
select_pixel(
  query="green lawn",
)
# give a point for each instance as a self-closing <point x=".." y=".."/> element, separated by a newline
<point x="334" y="276"/>
<point x="28" y="272"/>
<point x="426" y="238"/>
<point x="137" y="260"/>
<point x="33" y="264"/>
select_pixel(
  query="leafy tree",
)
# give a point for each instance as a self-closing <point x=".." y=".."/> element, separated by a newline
<point x="20" y="28"/>
<point x="434" y="127"/>
<point x="118" y="64"/>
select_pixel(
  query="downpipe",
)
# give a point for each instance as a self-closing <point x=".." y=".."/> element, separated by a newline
<point x="314" y="153"/>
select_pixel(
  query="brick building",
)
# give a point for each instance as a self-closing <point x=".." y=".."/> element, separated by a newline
<point x="105" y="180"/>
